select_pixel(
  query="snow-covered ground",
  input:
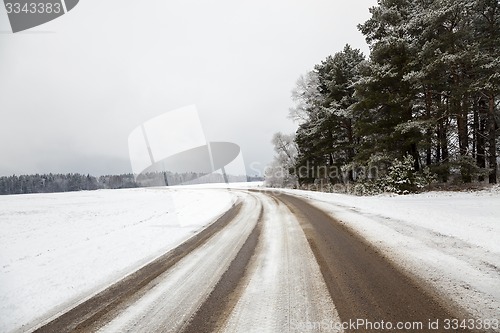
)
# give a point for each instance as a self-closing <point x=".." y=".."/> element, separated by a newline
<point x="448" y="239"/>
<point x="56" y="249"/>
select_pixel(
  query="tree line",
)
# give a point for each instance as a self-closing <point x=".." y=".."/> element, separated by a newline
<point x="49" y="183"/>
<point x="426" y="99"/>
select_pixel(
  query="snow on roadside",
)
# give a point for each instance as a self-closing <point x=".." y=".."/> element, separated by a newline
<point x="448" y="239"/>
<point x="59" y="248"/>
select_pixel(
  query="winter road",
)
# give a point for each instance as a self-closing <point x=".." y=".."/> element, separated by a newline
<point x="272" y="263"/>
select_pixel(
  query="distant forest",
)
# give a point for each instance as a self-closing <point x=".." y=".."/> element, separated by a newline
<point x="63" y="183"/>
<point x="49" y="183"/>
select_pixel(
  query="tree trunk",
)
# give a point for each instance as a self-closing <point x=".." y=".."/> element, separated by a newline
<point x="350" y="149"/>
<point x="463" y="137"/>
<point x="439" y="130"/>
<point x="428" y="134"/>
<point x="480" y="138"/>
<point x="462" y="133"/>
<point x="492" y="141"/>
<point x="416" y="156"/>
<point x="444" y="140"/>
<point x="438" y="143"/>
<point x="475" y="131"/>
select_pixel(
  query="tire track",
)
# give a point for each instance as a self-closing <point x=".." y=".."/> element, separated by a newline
<point x="284" y="290"/>
<point x="213" y="313"/>
<point x="362" y="283"/>
<point x="176" y="296"/>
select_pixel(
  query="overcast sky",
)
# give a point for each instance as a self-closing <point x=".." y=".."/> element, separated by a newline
<point x="72" y="90"/>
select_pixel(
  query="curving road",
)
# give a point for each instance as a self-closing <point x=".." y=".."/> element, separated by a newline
<point x="272" y="263"/>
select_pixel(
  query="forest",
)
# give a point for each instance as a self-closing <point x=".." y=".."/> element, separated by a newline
<point x="422" y="108"/>
<point x="49" y="183"/>
<point x="70" y="182"/>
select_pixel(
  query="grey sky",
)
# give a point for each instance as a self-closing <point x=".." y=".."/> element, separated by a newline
<point x="73" y="89"/>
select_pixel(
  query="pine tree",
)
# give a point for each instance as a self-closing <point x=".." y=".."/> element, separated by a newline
<point x="325" y="138"/>
<point x="486" y="20"/>
<point x="385" y="92"/>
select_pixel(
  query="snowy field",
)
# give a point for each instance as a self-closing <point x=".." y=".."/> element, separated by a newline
<point x="59" y="248"/>
<point x="449" y="239"/>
